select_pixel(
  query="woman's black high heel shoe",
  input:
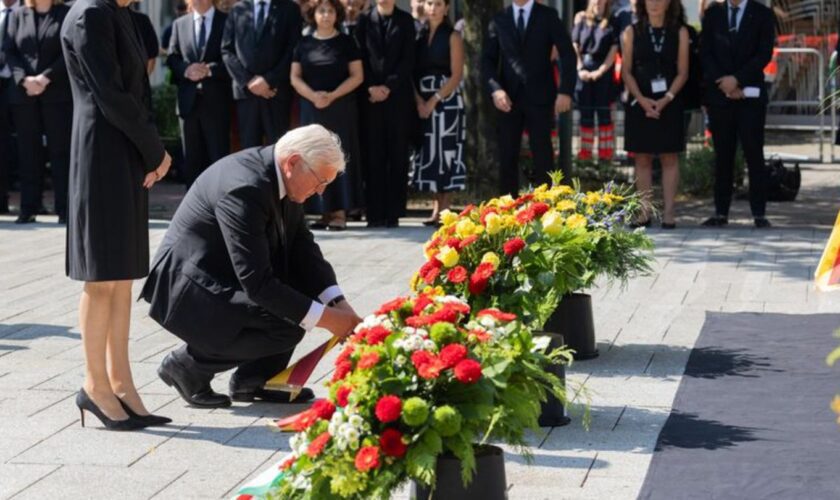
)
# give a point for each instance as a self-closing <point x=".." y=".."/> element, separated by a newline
<point x="84" y="403"/>
<point x="149" y="420"/>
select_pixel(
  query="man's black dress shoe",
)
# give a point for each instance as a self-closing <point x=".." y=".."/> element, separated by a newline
<point x="318" y="224"/>
<point x="716" y="221"/>
<point x="762" y="223"/>
<point x="393" y="223"/>
<point x="25" y="219"/>
<point x="269" y="396"/>
<point x="195" y="390"/>
<point x="376" y="223"/>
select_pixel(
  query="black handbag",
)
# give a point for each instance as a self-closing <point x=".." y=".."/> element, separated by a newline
<point x="783" y="182"/>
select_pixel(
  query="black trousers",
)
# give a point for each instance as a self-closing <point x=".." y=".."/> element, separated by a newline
<point x="743" y="122"/>
<point x="205" y="134"/>
<point x="33" y="120"/>
<point x="261" y="350"/>
<point x="5" y="143"/>
<point x="262" y="121"/>
<point x="386" y="184"/>
<point x="538" y="120"/>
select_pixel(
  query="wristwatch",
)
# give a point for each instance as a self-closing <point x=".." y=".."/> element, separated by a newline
<point x="335" y="301"/>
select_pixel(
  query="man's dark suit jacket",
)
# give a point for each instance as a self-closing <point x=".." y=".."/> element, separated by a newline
<point x="387" y="61"/>
<point x="32" y="50"/>
<point x="525" y="69"/>
<point x="744" y="56"/>
<point x="268" y="53"/>
<point x="234" y="250"/>
<point x="183" y="51"/>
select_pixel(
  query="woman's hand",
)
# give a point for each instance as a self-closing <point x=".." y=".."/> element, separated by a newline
<point x="649" y="105"/>
<point x="158" y="173"/>
<point x="426" y="109"/>
<point x="584" y="75"/>
<point x="662" y="103"/>
<point x="321" y="99"/>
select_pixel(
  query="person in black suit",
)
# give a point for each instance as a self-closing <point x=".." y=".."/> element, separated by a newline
<point x="516" y="66"/>
<point x="204" y="96"/>
<point x="257" y="47"/>
<point x="7" y="8"/>
<point x="736" y="43"/>
<point x="386" y="37"/>
<point x="238" y="275"/>
<point x="116" y="155"/>
<point x="40" y="102"/>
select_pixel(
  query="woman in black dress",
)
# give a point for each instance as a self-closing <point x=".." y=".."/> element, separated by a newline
<point x="326" y="70"/>
<point x="596" y="45"/>
<point x="655" y="68"/>
<point x="439" y="67"/>
<point x="116" y="155"/>
<point x="40" y="102"/>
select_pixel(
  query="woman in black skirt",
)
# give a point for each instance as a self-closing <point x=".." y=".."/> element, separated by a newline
<point x="326" y="70"/>
<point x="115" y="156"/>
<point x="439" y="67"/>
<point x="655" y="68"/>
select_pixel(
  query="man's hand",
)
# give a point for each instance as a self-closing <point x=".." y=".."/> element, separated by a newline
<point x="736" y="95"/>
<point x="502" y="101"/>
<point x="584" y="75"/>
<point x="322" y="99"/>
<point x="379" y="93"/>
<point x="158" y="173"/>
<point x="259" y="86"/>
<point x="727" y="84"/>
<point x="33" y="86"/>
<point x="339" y="321"/>
<point x="197" y="71"/>
<point x="562" y="104"/>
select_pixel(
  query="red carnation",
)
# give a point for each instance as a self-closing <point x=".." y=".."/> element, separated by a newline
<point x="477" y="284"/>
<point x="430" y="270"/>
<point x="480" y="335"/>
<point x="499" y="315"/>
<point x="468" y="371"/>
<point x="317" y="445"/>
<point x="368" y="360"/>
<point x="431" y="276"/>
<point x="376" y="334"/>
<point x="323" y="408"/>
<point x="457" y="274"/>
<point x="458" y="307"/>
<point x="288" y="462"/>
<point x="453" y="242"/>
<point x="485" y="270"/>
<point x="513" y="246"/>
<point x="469" y="208"/>
<point x="421" y="303"/>
<point x="305" y="420"/>
<point x="469" y="240"/>
<point x="539" y="208"/>
<point x="341" y="395"/>
<point x="391" y="305"/>
<point x="345" y="355"/>
<point x="452" y="354"/>
<point x="388" y="408"/>
<point x="525" y="216"/>
<point x="342" y="370"/>
<point x="392" y="444"/>
<point x="427" y="364"/>
<point x="367" y="458"/>
<point x="523" y="199"/>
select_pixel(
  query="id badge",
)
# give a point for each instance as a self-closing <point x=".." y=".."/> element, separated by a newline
<point x="658" y="85"/>
<point x="587" y="60"/>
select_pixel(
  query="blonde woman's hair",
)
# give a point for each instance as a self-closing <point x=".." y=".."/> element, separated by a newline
<point x="315" y="144"/>
<point x="591" y="13"/>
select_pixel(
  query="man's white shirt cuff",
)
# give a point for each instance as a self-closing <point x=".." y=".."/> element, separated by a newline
<point x="316" y="310"/>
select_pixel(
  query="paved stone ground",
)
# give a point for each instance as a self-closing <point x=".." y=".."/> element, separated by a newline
<point x="645" y="333"/>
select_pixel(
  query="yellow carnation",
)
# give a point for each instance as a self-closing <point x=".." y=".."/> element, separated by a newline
<point x="566" y="205"/>
<point x="491" y="258"/>
<point x="592" y="198"/>
<point x="563" y="190"/>
<point x="508" y="221"/>
<point x="448" y="217"/>
<point x="552" y="222"/>
<point x="610" y="198"/>
<point x="464" y="228"/>
<point x="448" y="256"/>
<point x="575" y="221"/>
<point x="494" y="223"/>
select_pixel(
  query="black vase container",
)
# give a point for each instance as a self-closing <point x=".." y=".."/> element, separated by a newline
<point x="552" y="411"/>
<point x="488" y="483"/>
<point x="573" y="319"/>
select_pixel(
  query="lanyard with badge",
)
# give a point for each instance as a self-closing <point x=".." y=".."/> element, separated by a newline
<point x="659" y="84"/>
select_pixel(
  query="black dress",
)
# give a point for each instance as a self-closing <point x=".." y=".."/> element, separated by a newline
<point x="114" y="144"/>
<point x="666" y="134"/>
<point x="439" y="167"/>
<point x="325" y="65"/>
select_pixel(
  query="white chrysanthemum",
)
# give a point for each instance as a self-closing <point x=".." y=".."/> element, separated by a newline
<point x="356" y="421"/>
<point x="429" y="345"/>
<point x="421" y="332"/>
<point x="487" y="321"/>
<point x="449" y="299"/>
<point x="349" y="432"/>
<point x="400" y="360"/>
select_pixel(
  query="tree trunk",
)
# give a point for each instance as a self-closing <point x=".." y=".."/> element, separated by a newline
<point x="482" y="157"/>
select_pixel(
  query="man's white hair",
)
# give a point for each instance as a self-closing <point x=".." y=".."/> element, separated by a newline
<point x="315" y="144"/>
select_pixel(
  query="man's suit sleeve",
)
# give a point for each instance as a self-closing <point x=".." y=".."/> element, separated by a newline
<point x="10" y="48"/>
<point x="405" y="66"/>
<point x="766" y="38"/>
<point x="279" y="75"/>
<point x="96" y="46"/>
<point x="711" y="70"/>
<point x="567" y="62"/>
<point x="175" y="60"/>
<point x="490" y="58"/>
<point x="243" y="215"/>
<point x="235" y="67"/>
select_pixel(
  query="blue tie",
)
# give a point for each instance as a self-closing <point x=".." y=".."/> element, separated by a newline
<point x="520" y="25"/>
<point x="261" y="17"/>
<point x="202" y="35"/>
